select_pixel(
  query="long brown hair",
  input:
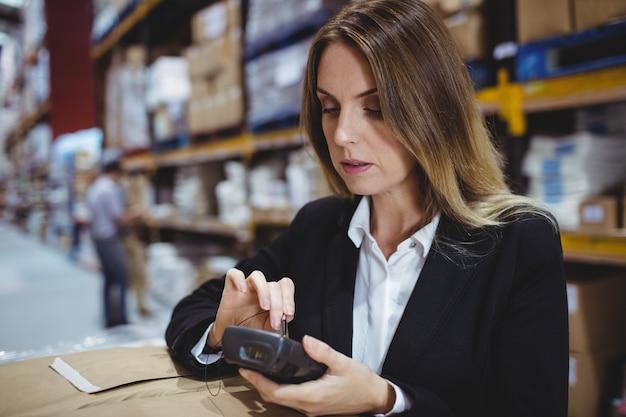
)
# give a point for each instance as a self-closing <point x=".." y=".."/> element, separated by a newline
<point x="428" y="101"/>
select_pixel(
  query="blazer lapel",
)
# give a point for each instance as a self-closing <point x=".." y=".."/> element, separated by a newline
<point x="342" y="259"/>
<point x="440" y="285"/>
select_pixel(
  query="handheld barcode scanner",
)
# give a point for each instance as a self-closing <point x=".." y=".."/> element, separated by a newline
<point x="279" y="358"/>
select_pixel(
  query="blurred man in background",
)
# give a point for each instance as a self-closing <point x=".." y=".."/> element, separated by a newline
<point x="109" y="223"/>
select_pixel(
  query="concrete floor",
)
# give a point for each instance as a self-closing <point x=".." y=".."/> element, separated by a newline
<point x="49" y="305"/>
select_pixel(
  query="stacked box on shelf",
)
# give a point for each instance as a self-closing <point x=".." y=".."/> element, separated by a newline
<point x="167" y="93"/>
<point x="36" y="89"/>
<point x="467" y="22"/>
<point x="275" y="23"/>
<point x="189" y="194"/>
<point x="34" y="25"/>
<point x="34" y="65"/>
<point x="592" y="13"/>
<point x="274" y="85"/>
<point x="586" y="50"/>
<point x="597" y="312"/>
<point x="214" y="59"/>
<point x="538" y="19"/>
<point x="469" y="29"/>
<point x="277" y="40"/>
<point x="126" y="109"/>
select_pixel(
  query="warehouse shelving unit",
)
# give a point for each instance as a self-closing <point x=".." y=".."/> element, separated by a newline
<point x="605" y="249"/>
<point x="27" y="123"/>
<point x="242" y="146"/>
<point x="512" y="102"/>
<point x="142" y="10"/>
<point x="220" y="147"/>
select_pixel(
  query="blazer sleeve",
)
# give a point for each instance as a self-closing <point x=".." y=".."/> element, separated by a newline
<point x="526" y="374"/>
<point x="531" y="338"/>
<point x="190" y="318"/>
<point x="194" y="313"/>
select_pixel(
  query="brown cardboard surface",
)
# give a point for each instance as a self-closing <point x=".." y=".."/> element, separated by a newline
<point x="224" y="15"/>
<point x="209" y="57"/>
<point x="540" y="19"/>
<point x="598" y="214"/>
<point x="469" y="31"/>
<point x="588" y="381"/>
<point x="110" y="368"/>
<point x="141" y="381"/>
<point x="592" y="13"/>
<point x="597" y="313"/>
<point x="216" y="84"/>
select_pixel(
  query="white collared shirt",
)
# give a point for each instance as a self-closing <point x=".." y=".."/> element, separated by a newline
<point x="382" y="291"/>
<point x="383" y="287"/>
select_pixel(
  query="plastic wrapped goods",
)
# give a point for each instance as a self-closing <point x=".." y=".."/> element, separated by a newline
<point x="563" y="171"/>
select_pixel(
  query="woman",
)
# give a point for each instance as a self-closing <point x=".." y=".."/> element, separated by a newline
<point x="424" y="285"/>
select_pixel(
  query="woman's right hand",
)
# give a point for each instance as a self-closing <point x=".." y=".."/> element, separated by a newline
<point x="252" y="302"/>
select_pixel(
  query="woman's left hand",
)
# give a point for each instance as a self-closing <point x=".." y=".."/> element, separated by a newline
<point x="347" y="387"/>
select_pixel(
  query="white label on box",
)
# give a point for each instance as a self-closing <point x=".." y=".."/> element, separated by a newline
<point x="593" y="214"/>
<point x="572" y="299"/>
<point x="573" y="372"/>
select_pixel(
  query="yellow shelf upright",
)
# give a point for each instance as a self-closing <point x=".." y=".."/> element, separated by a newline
<point x="511" y="98"/>
<point x="507" y="100"/>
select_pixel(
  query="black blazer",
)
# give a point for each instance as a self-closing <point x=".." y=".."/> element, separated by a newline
<point x="484" y="332"/>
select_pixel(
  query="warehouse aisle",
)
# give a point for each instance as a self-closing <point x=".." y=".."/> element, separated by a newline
<point x="50" y="305"/>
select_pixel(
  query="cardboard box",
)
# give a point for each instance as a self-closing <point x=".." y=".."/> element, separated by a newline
<point x="592" y="13"/>
<point x="210" y="56"/>
<point x="598" y="214"/>
<point x="469" y="30"/>
<point x="222" y="111"/>
<point x="265" y="17"/>
<point x="227" y="74"/>
<point x="214" y="21"/>
<point x="274" y="83"/>
<point x="215" y="71"/>
<point x="124" y="382"/>
<point x="540" y="19"/>
<point x="588" y="382"/>
<point x="597" y="313"/>
<point x="447" y="8"/>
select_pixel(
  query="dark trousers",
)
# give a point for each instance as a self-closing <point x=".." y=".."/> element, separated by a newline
<point x="111" y="254"/>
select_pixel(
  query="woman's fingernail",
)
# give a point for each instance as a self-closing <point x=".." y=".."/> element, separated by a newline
<point x="310" y="341"/>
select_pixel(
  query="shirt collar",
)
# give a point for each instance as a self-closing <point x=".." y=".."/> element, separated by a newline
<point x="360" y="226"/>
<point x="360" y="223"/>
